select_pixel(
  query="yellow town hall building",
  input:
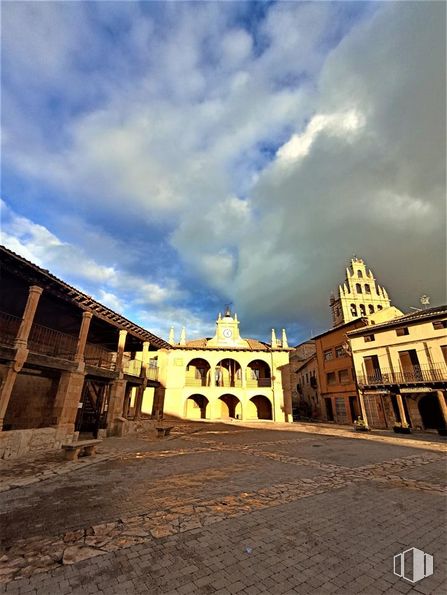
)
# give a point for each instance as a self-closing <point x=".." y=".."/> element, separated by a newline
<point x="225" y="376"/>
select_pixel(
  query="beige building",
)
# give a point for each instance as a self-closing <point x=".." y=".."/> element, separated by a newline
<point x="225" y="376"/>
<point x="401" y="371"/>
<point x="359" y="296"/>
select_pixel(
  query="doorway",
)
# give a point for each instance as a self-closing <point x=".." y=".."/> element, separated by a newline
<point x="329" y="409"/>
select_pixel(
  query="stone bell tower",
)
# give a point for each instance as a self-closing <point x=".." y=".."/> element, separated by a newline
<point x="360" y="295"/>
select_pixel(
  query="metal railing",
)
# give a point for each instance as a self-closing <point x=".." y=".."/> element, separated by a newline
<point x="9" y="327"/>
<point x="413" y="375"/>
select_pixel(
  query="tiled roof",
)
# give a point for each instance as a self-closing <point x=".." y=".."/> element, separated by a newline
<point x="77" y="298"/>
<point x="414" y="317"/>
<point x="252" y="345"/>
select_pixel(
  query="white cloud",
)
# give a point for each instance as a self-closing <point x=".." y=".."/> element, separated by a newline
<point x="190" y="139"/>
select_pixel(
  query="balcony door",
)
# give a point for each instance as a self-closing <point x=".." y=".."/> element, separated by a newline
<point x="409" y="363"/>
<point x="372" y="369"/>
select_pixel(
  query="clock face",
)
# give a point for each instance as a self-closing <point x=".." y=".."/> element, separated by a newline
<point x="227" y="332"/>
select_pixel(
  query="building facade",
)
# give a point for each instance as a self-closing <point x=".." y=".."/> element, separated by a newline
<point x="359" y="296"/>
<point x="226" y="376"/>
<point x="68" y="364"/>
<point x="401" y="372"/>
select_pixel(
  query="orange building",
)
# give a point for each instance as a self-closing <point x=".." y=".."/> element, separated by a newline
<point x="336" y="375"/>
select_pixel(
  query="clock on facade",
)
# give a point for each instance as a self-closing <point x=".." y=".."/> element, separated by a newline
<point x="227" y="332"/>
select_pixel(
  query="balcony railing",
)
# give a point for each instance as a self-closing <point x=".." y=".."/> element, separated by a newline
<point x="133" y="367"/>
<point x="258" y="382"/>
<point x="413" y="375"/>
<point x="196" y="381"/>
<point x="99" y="357"/>
<point x="9" y="327"/>
<point x="47" y="341"/>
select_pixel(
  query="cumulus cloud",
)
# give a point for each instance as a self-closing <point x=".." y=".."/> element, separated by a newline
<point x="268" y="149"/>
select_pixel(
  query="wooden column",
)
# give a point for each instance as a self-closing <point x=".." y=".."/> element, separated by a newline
<point x="21" y="353"/>
<point x="363" y="408"/>
<point x="403" y="417"/>
<point x="120" y="350"/>
<point x="28" y="316"/>
<point x="82" y="338"/>
<point x="442" y="405"/>
<point x="143" y="375"/>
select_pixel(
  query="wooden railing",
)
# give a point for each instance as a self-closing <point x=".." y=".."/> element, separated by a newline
<point x="47" y="341"/>
<point x="9" y="327"/>
<point x="413" y="375"/>
<point x="99" y="357"/>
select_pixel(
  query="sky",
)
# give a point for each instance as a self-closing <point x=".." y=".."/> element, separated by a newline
<point x="168" y="158"/>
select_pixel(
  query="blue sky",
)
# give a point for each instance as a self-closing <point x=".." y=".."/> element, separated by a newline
<point x="168" y="158"/>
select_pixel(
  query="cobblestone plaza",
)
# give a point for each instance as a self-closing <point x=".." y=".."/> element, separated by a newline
<point x="225" y="508"/>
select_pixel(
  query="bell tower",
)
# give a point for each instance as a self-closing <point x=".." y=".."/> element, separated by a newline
<point x="359" y="296"/>
<point x="227" y="331"/>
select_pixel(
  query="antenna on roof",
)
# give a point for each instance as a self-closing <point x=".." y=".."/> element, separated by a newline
<point x="425" y="301"/>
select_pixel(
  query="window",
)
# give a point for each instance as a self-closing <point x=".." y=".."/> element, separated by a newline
<point x="359" y="274"/>
<point x="371" y="309"/>
<point x="330" y="378"/>
<point x="362" y="310"/>
<point x="440" y="324"/>
<point x="340" y="352"/>
<point x="369" y="338"/>
<point x="367" y="288"/>
<point x="328" y="354"/>
<point x="353" y="310"/>
<point x="444" y="352"/>
<point x="358" y="288"/>
<point x="343" y="376"/>
<point x="400" y="332"/>
<point x="380" y="307"/>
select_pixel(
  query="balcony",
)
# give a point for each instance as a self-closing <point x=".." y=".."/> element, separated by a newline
<point x="259" y="382"/>
<point x="133" y="367"/>
<point x="196" y="381"/>
<point x="9" y="327"/>
<point x="414" y="375"/>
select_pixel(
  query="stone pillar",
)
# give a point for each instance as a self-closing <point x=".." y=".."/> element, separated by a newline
<point x="403" y="417"/>
<point x="244" y="376"/>
<point x="28" y="316"/>
<point x="68" y="397"/>
<point x="442" y="405"/>
<point x="363" y="408"/>
<point x="21" y="351"/>
<point x="82" y="338"/>
<point x="117" y="395"/>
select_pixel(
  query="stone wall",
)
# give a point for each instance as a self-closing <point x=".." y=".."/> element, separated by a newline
<point x="32" y="401"/>
<point x="16" y="443"/>
<point x="127" y="427"/>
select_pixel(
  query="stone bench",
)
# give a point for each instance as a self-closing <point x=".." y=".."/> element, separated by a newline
<point x="88" y="448"/>
<point x="162" y="432"/>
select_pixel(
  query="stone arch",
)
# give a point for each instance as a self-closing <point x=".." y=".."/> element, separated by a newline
<point x="259" y="407"/>
<point x="196" y="407"/>
<point x="258" y="373"/>
<point x="231" y="407"/>
<point x="228" y="373"/>
<point x="198" y="372"/>
<point x="430" y="412"/>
